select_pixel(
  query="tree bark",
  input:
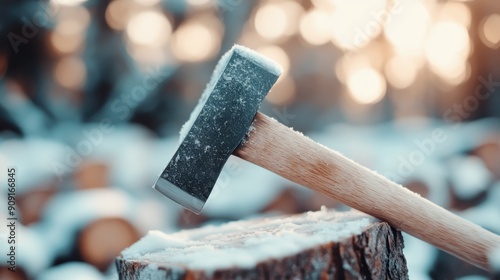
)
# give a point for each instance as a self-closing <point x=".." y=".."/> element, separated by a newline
<point x="375" y="253"/>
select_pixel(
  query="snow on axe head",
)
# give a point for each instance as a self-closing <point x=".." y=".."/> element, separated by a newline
<point x="217" y="125"/>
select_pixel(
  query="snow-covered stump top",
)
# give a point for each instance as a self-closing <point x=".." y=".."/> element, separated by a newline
<point x="311" y="245"/>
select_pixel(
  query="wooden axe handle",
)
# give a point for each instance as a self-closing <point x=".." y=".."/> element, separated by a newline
<point x="295" y="157"/>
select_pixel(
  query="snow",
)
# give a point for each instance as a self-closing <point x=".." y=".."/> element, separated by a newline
<point x="435" y="175"/>
<point x="249" y="54"/>
<point x="242" y="189"/>
<point x="122" y="149"/>
<point x="245" y="243"/>
<point x="259" y="59"/>
<point x="77" y="270"/>
<point x="151" y="243"/>
<point x="469" y="176"/>
<point x="418" y="267"/>
<point x="68" y="212"/>
<point x="472" y="277"/>
<point x="34" y="159"/>
<point x="487" y="214"/>
<point x="33" y="254"/>
<point x="494" y="258"/>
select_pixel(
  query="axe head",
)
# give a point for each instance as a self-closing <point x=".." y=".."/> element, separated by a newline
<point x="217" y="125"/>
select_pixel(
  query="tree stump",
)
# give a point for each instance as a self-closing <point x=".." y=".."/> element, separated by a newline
<point x="313" y="245"/>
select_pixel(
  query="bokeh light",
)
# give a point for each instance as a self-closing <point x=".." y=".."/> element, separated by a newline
<point x="327" y="5"/>
<point x="401" y="71"/>
<point x="150" y="28"/>
<point x="197" y="40"/>
<point x="74" y="21"/>
<point x="283" y="92"/>
<point x="355" y="23"/>
<point x="293" y="12"/>
<point x="277" y="54"/>
<point x="200" y="2"/>
<point x="118" y="14"/>
<point x="489" y="31"/>
<point x="455" y="11"/>
<point x="407" y="29"/>
<point x="348" y="64"/>
<point x="315" y="27"/>
<point x="147" y="2"/>
<point x="66" y="43"/>
<point x="447" y="49"/>
<point x="70" y="72"/>
<point x="69" y="33"/>
<point x="68" y="2"/>
<point x="149" y="55"/>
<point x="271" y="21"/>
<point x="366" y="85"/>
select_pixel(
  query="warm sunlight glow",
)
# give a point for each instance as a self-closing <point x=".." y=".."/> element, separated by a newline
<point x="149" y="55"/>
<point x="401" y="71"/>
<point x="73" y="21"/>
<point x="118" y="14"/>
<point x="407" y="30"/>
<point x="199" y="2"/>
<point x="356" y="22"/>
<point x="68" y="2"/>
<point x="293" y="12"/>
<point x="457" y="12"/>
<point x="271" y="21"/>
<point x="277" y="54"/>
<point x="489" y="31"/>
<point x="70" y="72"/>
<point x="447" y="49"/>
<point x="454" y="73"/>
<point x="327" y="5"/>
<point x="66" y="43"/>
<point x="283" y="92"/>
<point x="195" y="41"/>
<point x="366" y="85"/>
<point x="147" y="2"/>
<point x="315" y="27"/>
<point x="149" y="28"/>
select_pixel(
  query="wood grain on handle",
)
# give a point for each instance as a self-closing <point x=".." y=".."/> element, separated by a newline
<point x="291" y="155"/>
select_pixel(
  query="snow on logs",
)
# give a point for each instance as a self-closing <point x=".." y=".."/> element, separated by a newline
<point x="313" y="245"/>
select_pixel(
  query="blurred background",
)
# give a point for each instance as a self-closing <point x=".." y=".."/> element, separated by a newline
<point x="93" y="94"/>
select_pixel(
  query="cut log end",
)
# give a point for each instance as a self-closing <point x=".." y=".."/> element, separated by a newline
<point x="103" y="239"/>
<point x="313" y="245"/>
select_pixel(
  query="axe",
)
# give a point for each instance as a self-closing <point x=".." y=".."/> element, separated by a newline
<point x="226" y="121"/>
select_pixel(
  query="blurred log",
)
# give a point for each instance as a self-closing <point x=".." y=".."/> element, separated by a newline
<point x="103" y="239"/>
<point x="6" y="274"/>
<point x="32" y="203"/>
<point x="451" y="267"/>
<point x="317" y="200"/>
<point x="286" y="202"/>
<point x="188" y="219"/>
<point x="489" y="153"/>
<point x="368" y="249"/>
<point x="418" y="186"/>
<point x="91" y="175"/>
<point x="72" y="270"/>
<point x="93" y="225"/>
<point x="461" y="204"/>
